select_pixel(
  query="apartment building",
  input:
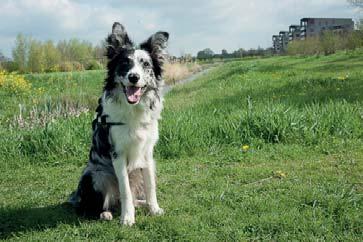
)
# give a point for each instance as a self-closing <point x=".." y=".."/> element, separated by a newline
<point x="310" y="27"/>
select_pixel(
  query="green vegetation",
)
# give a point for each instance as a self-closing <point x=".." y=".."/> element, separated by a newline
<point x="257" y="149"/>
<point x="33" y="56"/>
<point x="328" y="43"/>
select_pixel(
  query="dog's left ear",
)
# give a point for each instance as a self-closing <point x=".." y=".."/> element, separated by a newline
<point x="156" y="45"/>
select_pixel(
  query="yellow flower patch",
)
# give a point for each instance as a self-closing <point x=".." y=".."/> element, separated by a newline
<point x="13" y="83"/>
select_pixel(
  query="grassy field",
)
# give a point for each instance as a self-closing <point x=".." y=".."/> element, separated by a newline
<point x="258" y="149"/>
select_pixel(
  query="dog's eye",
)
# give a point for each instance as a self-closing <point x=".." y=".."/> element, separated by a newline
<point x="146" y="64"/>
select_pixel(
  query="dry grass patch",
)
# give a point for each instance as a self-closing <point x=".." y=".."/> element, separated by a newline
<point x="174" y="72"/>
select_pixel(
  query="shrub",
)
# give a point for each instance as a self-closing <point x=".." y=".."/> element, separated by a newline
<point x="94" y="65"/>
<point x="327" y="43"/>
<point x="68" y="66"/>
<point x="9" y="66"/>
<point x="77" y="66"/>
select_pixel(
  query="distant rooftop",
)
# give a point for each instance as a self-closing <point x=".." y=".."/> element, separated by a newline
<point x="305" y="19"/>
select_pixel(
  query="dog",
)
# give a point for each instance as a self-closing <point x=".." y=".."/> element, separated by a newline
<point x="121" y="167"/>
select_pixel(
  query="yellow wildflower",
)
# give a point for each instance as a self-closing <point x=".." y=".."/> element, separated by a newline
<point x="280" y="174"/>
<point x="343" y="78"/>
<point x="13" y="83"/>
<point x="245" y="148"/>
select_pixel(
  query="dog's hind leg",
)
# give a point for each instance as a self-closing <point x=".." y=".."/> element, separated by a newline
<point x="106" y="214"/>
<point x="137" y="187"/>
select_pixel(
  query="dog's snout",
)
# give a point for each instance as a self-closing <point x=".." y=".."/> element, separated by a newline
<point x="134" y="77"/>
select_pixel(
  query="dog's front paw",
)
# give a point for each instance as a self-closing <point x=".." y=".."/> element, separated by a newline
<point x="156" y="210"/>
<point x="127" y="220"/>
<point x="106" y="215"/>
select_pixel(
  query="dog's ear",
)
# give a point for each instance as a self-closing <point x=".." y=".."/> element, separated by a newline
<point x="116" y="40"/>
<point x="156" y="46"/>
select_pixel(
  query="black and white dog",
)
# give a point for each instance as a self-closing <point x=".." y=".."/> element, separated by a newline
<point x="121" y="168"/>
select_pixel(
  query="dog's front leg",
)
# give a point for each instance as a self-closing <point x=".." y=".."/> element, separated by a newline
<point x="127" y="206"/>
<point x="150" y="189"/>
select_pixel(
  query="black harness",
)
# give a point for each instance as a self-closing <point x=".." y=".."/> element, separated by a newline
<point x="102" y="121"/>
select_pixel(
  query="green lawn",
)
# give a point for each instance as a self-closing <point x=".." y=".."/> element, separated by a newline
<point x="299" y="179"/>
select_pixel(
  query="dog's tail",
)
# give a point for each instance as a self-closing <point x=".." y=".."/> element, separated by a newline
<point x="137" y="186"/>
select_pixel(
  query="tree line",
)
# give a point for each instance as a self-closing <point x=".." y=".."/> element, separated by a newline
<point x="239" y="53"/>
<point x="31" y="55"/>
<point x="327" y="43"/>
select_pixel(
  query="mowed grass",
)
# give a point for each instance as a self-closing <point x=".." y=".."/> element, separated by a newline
<point x="258" y="149"/>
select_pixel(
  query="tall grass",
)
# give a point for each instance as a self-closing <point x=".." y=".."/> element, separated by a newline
<point x="174" y="72"/>
<point x="253" y="102"/>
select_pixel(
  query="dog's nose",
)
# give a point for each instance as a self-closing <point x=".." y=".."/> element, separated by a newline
<point x="134" y="77"/>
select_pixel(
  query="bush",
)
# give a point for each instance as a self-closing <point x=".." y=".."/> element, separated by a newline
<point x="327" y="43"/>
<point x="69" y="66"/>
<point x="9" y="66"/>
<point x="94" y="65"/>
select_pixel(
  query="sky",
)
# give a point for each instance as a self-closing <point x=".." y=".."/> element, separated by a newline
<point x="193" y="25"/>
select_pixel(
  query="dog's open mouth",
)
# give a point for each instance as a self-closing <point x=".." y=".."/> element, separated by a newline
<point x="133" y="94"/>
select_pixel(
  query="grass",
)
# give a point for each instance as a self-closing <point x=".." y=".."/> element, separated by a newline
<point x="300" y="177"/>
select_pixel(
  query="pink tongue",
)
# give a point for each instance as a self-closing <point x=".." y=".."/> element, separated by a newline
<point x="133" y="94"/>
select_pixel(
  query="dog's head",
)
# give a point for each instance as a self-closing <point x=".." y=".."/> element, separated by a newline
<point x="134" y="70"/>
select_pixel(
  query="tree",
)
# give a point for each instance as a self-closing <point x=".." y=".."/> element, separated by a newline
<point x="80" y="50"/>
<point x="239" y="53"/>
<point x="205" y="54"/>
<point x="63" y="49"/>
<point x="36" y="58"/>
<point x="224" y="53"/>
<point x="52" y="55"/>
<point x="99" y="50"/>
<point x="20" y="52"/>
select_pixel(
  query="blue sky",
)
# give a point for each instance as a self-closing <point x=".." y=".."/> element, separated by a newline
<point x="193" y="24"/>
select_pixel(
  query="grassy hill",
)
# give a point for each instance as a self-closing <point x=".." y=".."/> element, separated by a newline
<point x="266" y="149"/>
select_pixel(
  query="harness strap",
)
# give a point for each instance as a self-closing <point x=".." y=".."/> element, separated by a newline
<point x="104" y="123"/>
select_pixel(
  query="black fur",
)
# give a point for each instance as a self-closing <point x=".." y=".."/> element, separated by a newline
<point x="100" y="142"/>
<point x="119" y="64"/>
<point x="91" y="201"/>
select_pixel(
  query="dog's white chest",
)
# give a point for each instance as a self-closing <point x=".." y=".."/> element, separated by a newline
<point x="135" y="139"/>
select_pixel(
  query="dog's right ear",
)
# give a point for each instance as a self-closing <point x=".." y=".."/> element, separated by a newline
<point x="116" y="40"/>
